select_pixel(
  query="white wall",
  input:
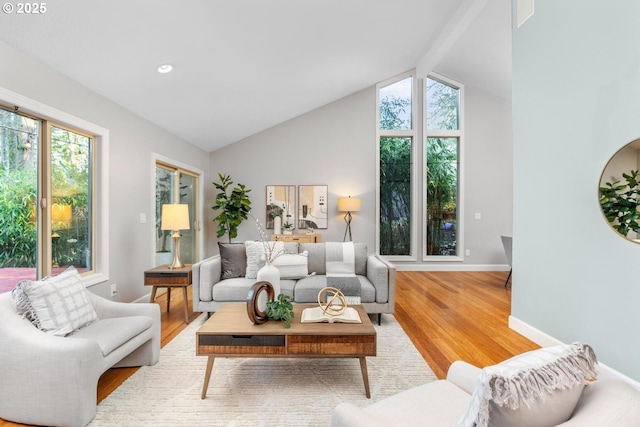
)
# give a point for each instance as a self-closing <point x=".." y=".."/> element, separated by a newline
<point x="576" y="86"/>
<point x="336" y="145"/>
<point x="132" y="142"/>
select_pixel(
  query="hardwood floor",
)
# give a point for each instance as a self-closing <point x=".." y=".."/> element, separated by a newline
<point x="447" y="315"/>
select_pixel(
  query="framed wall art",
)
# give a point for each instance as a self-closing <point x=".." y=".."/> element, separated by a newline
<point x="312" y="206"/>
<point x="281" y="201"/>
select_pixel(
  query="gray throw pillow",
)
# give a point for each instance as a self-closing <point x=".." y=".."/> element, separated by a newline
<point x="233" y="257"/>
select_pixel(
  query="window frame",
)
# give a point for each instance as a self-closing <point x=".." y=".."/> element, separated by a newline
<point x="440" y="133"/>
<point x="419" y="134"/>
<point x="414" y="134"/>
<point x="167" y="162"/>
<point x="100" y="170"/>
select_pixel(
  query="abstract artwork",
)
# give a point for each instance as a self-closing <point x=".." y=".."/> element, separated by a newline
<point x="281" y="201"/>
<point x="312" y="206"/>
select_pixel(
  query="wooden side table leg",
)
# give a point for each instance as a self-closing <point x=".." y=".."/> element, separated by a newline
<point x="153" y="293"/>
<point x="168" y="298"/>
<point x="186" y="304"/>
<point x="207" y="375"/>
<point x="365" y="376"/>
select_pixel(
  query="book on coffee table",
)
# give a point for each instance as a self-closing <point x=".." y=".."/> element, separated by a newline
<point x="316" y="315"/>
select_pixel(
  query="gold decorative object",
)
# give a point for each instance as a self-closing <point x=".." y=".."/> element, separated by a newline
<point x="256" y="315"/>
<point x="332" y="301"/>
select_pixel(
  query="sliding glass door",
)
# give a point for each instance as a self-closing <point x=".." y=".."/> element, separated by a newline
<point x="176" y="185"/>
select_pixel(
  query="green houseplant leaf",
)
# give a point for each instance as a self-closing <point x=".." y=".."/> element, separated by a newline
<point x="234" y="207"/>
<point x="281" y="309"/>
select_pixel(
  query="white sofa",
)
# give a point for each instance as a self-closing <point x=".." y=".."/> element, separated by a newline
<point x="377" y="280"/>
<point x="604" y="403"/>
<point x="52" y="380"/>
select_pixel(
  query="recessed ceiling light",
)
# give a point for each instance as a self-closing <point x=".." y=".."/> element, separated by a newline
<point x="165" y="68"/>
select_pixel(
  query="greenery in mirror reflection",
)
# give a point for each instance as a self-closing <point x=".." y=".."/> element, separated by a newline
<point x="620" y="201"/>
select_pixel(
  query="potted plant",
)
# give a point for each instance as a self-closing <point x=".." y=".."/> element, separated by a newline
<point x="288" y="227"/>
<point x="281" y="309"/>
<point x="234" y="207"/>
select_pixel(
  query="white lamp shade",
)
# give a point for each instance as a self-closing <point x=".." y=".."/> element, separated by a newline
<point x="349" y="204"/>
<point x="175" y="217"/>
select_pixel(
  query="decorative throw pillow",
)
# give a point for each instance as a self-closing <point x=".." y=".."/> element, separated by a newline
<point x="255" y="255"/>
<point x="233" y="258"/>
<point x="57" y="305"/>
<point x="292" y="266"/>
<point x="535" y="389"/>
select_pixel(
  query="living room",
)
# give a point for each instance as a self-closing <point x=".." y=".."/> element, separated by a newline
<point x="531" y="178"/>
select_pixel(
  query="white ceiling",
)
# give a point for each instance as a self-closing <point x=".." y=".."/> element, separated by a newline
<point x="242" y="66"/>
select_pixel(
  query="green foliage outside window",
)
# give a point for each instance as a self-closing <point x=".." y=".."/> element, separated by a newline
<point x="70" y="169"/>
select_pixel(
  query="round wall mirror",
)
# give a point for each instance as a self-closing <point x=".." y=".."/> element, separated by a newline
<point x="619" y="191"/>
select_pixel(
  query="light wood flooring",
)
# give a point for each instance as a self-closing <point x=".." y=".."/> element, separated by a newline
<point x="447" y="315"/>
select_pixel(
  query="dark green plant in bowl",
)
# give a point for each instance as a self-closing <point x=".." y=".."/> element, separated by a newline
<point x="281" y="309"/>
<point x="620" y="201"/>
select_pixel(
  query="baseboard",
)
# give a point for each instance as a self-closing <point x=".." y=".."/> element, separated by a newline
<point x="449" y="267"/>
<point x="546" y="340"/>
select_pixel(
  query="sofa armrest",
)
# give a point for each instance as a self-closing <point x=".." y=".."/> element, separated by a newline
<point x="464" y="375"/>
<point x="382" y="274"/>
<point x="349" y="415"/>
<point x="205" y="274"/>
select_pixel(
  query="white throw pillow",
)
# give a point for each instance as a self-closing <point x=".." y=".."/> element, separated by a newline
<point x="57" y="305"/>
<point x="535" y="389"/>
<point x="292" y="266"/>
<point x="255" y="255"/>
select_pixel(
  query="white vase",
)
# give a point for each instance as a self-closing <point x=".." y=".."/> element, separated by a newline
<point x="277" y="225"/>
<point x="271" y="274"/>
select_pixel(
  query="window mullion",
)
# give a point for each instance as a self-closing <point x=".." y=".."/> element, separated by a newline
<point x="45" y="250"/>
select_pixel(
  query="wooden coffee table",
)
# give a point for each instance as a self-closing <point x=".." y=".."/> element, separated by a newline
<point x="230" y="333"/>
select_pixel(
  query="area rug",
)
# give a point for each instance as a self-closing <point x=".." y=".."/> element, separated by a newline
<point x="259" y="392"/>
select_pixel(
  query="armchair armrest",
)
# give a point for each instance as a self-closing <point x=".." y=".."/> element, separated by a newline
<point x="349" y="415"/>
<point x="42" y="373"/>
<point x="106" y="309"/>
<point x="464" y="375"/>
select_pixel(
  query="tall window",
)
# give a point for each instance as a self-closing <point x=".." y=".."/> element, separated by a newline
<point x="442" y="141"/>
<point x="46" y="198"/>
<point x="429" y="123"/>
<point x="395" y="135"/>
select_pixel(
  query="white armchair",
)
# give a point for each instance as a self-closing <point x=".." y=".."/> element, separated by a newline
<point x="52" y="380"/>
<point x="442" y="403"/>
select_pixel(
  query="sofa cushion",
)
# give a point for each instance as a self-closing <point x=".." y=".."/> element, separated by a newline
<point x="535" y="389"/>
<point x="233" y="258"/>
<point x="57" y="305"/>
<point x="317" y="257"/>
<point x="307" y="289"/>
<point x="112" y="333"/>
<point x="235" y="289"/>
<point x="256" y="253"/>
<point x="292" y="266"/>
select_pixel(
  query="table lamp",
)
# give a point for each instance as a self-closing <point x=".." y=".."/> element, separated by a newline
<point x="348" y="205"/>
<point x="175" y="217"/>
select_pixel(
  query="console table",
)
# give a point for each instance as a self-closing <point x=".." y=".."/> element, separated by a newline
<point x="296" y="238"/>
<point x="165" y="277"/>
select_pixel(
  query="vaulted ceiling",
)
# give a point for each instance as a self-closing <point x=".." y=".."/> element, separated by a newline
<point x="242" y="66"/>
